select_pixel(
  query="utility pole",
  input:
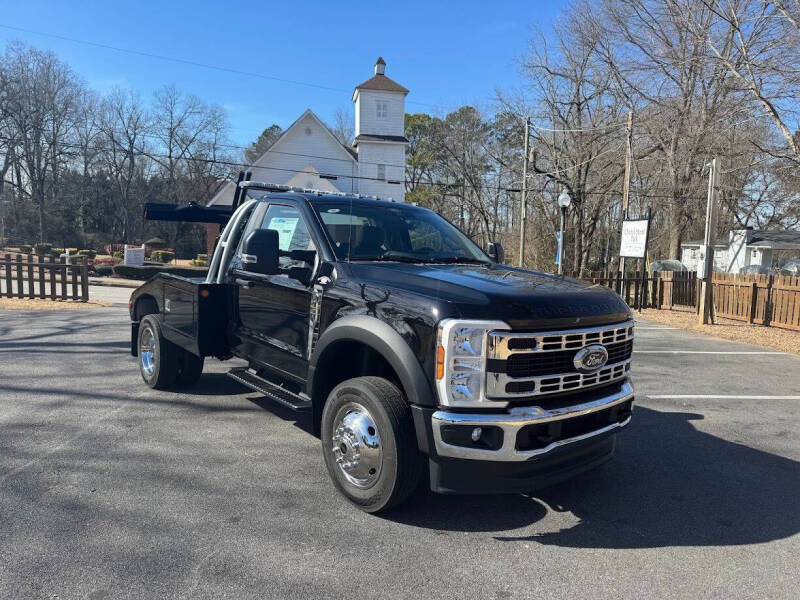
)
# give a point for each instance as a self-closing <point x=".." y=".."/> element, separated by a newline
<point x="523" y="211"/>
<point x="626" y="183"/>
<point x="704" y="314"/>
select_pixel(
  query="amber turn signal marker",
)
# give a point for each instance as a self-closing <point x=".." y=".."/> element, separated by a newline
<point x="439" y="362"/>
<point x="204" y="293"/>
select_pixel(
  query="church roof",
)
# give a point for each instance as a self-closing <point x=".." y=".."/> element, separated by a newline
<point x="382" y="83"/>
<point x="308" y="112"/>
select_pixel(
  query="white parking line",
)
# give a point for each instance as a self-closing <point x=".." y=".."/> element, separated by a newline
<point x="718" y="397"/>
<point x="704" y="352"/>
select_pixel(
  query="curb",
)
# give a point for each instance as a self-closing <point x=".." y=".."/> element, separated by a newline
<point x="125" y="283"/>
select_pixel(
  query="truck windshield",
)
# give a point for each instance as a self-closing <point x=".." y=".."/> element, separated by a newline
<point x="401" y="233"/>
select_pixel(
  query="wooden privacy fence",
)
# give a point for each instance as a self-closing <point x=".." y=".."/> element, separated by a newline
<point x="665" y="291"/>
<point x="29" y="276"/>
<point x="759" y="299"/>
<point x="628" y="286"/>
<point x="762" y="299"/>
<point x="678" y="289"/>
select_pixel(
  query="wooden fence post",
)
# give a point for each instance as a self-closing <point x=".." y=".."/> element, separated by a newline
<point x="768" y="302"/>
<point x="751" y="315"/>
<point x="9" y="286"/>
<point x="30" y="277"/>
<point x="74" y="270"/>
<point x="20" y="286"/>
<point x="85" y="282"/>
<point x="63" y="271"/>
<point x="52" y="268"/>
<point x="41" y="276"/>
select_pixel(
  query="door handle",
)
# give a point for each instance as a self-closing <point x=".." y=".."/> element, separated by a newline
<point x="245" y="283"/>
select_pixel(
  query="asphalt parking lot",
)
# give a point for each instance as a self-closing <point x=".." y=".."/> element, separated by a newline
<point x="111" y="490"/>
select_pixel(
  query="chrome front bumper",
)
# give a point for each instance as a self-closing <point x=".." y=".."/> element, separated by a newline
<point x="514" y="419"/>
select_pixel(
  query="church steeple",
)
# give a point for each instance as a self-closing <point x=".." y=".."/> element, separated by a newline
<point x="380" y="105"/>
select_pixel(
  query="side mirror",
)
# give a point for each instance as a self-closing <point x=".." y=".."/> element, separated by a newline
<point x="260" y="252"/>
<point x="496" y="252"/>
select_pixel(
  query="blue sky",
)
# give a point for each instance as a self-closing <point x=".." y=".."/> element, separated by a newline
<point x="446" y="53"/>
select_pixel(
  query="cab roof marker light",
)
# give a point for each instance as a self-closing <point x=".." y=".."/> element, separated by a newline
<point x="276" y="187"/>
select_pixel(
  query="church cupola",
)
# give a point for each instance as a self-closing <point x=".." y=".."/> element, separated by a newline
<point x="380" y="140"/>
<point x="380" y="104"/>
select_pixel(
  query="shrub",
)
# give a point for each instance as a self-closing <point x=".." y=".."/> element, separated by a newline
<point x="147" y="271"/>
<point x="56" y="252"/>
<point x="163" y="256"/>
<point x="25" y="248"/>
<point x="42" y="248"/>
<point x="202" y="257"/>
<point x="104" y="270"/>
<point x="155" y="243"/>
<point x="118" y="254"/>
<point x="87" y="253"/>
<point x="106" y="260"/>
<point x="72" y="251"/>
<point x="197" y="262"/>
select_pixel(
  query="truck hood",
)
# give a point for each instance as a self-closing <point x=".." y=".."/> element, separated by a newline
<point x="521" y="298"/>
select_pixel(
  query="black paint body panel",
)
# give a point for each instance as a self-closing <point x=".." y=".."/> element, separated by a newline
<point x="394" y="309"/>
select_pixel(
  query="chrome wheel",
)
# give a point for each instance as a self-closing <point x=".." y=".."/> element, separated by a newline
<point x="147" y="351"/>
<point x="356" y="445"/>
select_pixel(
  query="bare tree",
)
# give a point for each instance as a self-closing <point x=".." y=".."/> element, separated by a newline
<point x="682" y="97"/>
<point x="757" y="43"/>
<point x="581" y="144"/>
<point x="124" y="123"/>
<point x="43" y="98"/>
<point x="344" y="126"/>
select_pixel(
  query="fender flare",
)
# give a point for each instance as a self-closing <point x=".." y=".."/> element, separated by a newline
<point x="379" y="336"/>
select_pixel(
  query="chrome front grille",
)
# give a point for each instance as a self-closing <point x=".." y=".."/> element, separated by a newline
<point x="521" y="364"/>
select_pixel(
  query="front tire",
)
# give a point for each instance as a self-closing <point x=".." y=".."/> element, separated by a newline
<point x="158" y="359"/>
<point x="369" y="444"/>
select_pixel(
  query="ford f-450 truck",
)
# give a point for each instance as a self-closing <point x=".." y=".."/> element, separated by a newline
<point x="416" y="353"/>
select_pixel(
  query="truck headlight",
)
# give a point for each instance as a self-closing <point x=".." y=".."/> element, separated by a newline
<point x="461" y="360"/>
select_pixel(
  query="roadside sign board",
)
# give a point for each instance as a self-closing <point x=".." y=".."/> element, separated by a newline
<point x="634" y="238"/>
<point x="133" y="255"/>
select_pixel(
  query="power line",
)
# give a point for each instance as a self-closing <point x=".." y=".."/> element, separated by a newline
<point x="242" y="165"/>
<point x="236" y="147"/>
<point x="357" y="177"/>
<point x="185" y="61"/>
<point x="600" y="128"/>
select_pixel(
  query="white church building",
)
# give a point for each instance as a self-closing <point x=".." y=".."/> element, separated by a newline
<point x="308" y="155"/>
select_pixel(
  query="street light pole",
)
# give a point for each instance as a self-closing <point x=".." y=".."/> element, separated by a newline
<point x="704" y="312"/>
<point x="561" y="231"/>
<point x="523" y="208"/>
<point x="564" y="201"/>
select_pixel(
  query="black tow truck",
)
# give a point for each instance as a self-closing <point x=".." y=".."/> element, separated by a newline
<point x="418" y="354"/>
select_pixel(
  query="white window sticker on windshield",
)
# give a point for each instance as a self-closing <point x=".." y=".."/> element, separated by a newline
<point x="285" y="227"/>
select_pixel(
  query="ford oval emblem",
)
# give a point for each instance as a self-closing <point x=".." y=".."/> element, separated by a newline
<point x="590" y="358"/>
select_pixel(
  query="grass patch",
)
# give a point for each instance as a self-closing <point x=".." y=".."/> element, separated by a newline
<point x="39" y="304"/>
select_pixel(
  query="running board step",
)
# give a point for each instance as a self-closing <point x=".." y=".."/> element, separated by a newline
<point x="251" y="379"/>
